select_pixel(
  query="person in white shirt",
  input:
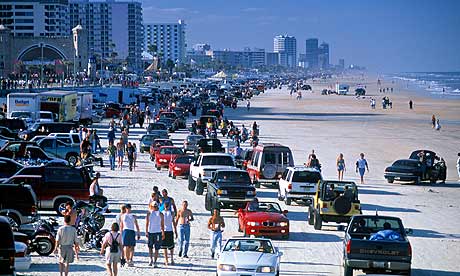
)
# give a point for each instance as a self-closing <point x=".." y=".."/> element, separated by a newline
<point x="154" y="231"/>
<point x="361" y="166"/>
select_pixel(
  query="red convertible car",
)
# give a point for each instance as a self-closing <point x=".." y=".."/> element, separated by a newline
<point x="157" y="143"/>
<point x="180" y="166"/>
<point x="165" y="154"/>
<point x="263" y="219"/>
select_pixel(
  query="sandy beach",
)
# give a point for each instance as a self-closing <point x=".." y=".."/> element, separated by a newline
<point x="330" y="125"/>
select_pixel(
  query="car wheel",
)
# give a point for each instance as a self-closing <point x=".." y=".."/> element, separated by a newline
<point x="60" y="205"/>
<point x="285" y="237"/>
<point x="173" y="176"/>
<point x="245" y="234"/>
<point x="169" y="173"/>
<point x="44" y="246"/>
<point x="158" y="168"/>
<point x="287" y="200"/>
<point x="13" y="220"/>
<point x="151" y="158"/>
<point x="347" y="271"/>
<point x="318" y="221"/>
<point x="207" y="202"/>
<point x="418" y="180"/>
<point x="199" y="187"/>
<point x="72" y="159"/>
<point x="311" y="218"/>
<point x="191" y="183"/>
<point x="390" y="179"/>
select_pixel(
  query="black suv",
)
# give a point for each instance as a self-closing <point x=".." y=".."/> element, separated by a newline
<point x="18" y="202"/>
<point x="208" y="145"/>
<point x="7" y="249"/>
<point x="229" y="189"/>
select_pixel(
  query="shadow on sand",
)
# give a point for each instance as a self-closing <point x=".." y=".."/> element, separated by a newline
<point x="373" y="207"/>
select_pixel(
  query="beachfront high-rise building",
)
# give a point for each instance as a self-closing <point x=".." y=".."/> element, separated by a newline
<point x="311" y="53"/>
<point x="201" y="47"/>
<point x="341" y="63"/>
<point x="323" y="55"/>
<point x="286" y="47"/>
<point x="35" y="18"/>
<point x="112" y="27"/>
<point x="248" y="58"/>
<point x="169" y="39"/>
<point x="272" y="59"/>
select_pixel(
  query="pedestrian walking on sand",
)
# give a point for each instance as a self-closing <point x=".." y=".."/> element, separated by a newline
<point x="216" y="224"/>
<point x="248" y="105"/>
<point x="433" y="121"/>
<point x="170" y="232"/>
<point x="135" y="155"/>
<point x="154" y="231"/>
<point x="458" y="166"/>
<point x="112" y="152"/>
<point x="340" y="162"/>
<point x="128" y="226"/>
<point x="130" y="154"/>
<point x="183" y="219"/>
<point x="66" y="245"/>
<point x="361" y="166"/>
<point x="411" y="104"/>
<point x="112" y="248"/>
<point x="120" y="153"/>
<point x="437" y="125"/>
<point x="118" y="216"/>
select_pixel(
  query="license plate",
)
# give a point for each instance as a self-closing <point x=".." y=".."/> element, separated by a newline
<point x="379" y="264"/>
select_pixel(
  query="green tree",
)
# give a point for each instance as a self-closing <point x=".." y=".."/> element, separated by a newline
<point x="170" y="65"/>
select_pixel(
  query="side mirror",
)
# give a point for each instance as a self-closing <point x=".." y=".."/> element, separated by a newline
<point x="285" y="212"/>
<point x="409" y="231"/>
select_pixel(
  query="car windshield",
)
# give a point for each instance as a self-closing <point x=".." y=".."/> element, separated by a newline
<point x="159" y="143"/>
<point x="368" y="225"/>
<point x="194" y="138"/>
<point x="21" y="114"/>
<point x="233" y="177"/>
<point x="157" y="126"/>
<point x="184" y="160"/>
<point x="269" y="207"/>
<point x="306" y="176"/>
<point x="171" y="151"/>
<point x="171" y="115"/>
<point x="217" y="160"/>
<point x="246" y="245"/>
<point x="148" y="138"/>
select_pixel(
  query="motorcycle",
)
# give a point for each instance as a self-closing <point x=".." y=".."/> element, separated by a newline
<point x="88" y="210"/>
<point x="39" y="236"/>
<point x="90" y="234"/>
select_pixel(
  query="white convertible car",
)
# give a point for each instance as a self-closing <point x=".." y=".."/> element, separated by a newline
<point x="249" y="257"/>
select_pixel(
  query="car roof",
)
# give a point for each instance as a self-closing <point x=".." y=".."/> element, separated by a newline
<point x="376" y="216"/>
<point x="339" y="182"/>
<point x="248" y="238"/>
<point x="303" y="168"/>
<point x="408" y="160"/>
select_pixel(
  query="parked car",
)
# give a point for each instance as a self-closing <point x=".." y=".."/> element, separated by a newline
<point x="191" y="142"/>
<point x="209" y="145"/>
<point x="298" y="184"/>
<point x="263" y="219"/>
<point x="28" y="153"/>
<point x="229" y="189"/>
<point x="268" y="163"/>
<point x="22" y="260"/>
<point x="18" y="202"/>
<point x="422" y="165"/>
<point x="180" y="166"/>
<point x="7" y="248"/>
<point x="45" y="128"/>
<point x="179" y="120"/>
<point x="60" y="149"/>
<point x="54" y="185"/>
<point x="160" y="134"/>
<point x="171" y="124"/>
<point x="156" y="126"/>
<point x="157" y="143"/>
<point x="146" y="141"/>
<point x="376" y="244"/>
<point x="68" y="138"/>
<point x="249" y="256"/>
<point x="6" y="132"/>
<point x="15" y="125"/>
<point x="334" y="201"/>
<point x="8" y="167"/>
<point x="165" y="154"/>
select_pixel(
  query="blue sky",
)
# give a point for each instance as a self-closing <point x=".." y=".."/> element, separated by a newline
<point x="386" y="35"/>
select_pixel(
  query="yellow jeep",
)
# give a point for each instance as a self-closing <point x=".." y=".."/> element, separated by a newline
<point x="334" y="201"/>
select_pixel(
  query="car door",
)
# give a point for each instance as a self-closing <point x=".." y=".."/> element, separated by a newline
<point x="48" y="145"/>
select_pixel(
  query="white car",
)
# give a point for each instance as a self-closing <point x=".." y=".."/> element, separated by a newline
<point x="298" y="184"/>
<point x="249" y="256"/>
<point x="22" y="258"/>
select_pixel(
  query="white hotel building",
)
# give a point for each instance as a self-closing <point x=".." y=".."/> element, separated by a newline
<point x="169" y="39"/>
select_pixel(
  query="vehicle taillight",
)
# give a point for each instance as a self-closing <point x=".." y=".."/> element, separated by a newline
<point x="33" y="209"/>
<point x="324" y="205"/>
<point x="11" y="261"/>
<point x="409" y="250"/>
<point x="356" y="207"/>
<point x="20" y="254"/>
<point x="290" y="187"/>
<point x="348" y="247"/>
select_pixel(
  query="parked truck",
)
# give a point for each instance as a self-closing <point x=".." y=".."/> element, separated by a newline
<point x="23" y="105"/>
<point x="342" y="89"/>
<point x="62" y="103"/>
<point x="85" y="107"/>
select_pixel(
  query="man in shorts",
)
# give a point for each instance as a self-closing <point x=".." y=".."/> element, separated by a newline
<point x="361" y="166"/>
<point x="155" y="231"/>
<point x="66" y="243"/>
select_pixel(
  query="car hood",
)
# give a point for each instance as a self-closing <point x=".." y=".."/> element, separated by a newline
<point x="248" y="259"/>
<point x="265" y="216"/>
<point x="216" y="167"/>
<point x="405" y="169"/>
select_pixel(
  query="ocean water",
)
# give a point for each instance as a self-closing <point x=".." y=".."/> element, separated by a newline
<point x="442" y="84"/>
